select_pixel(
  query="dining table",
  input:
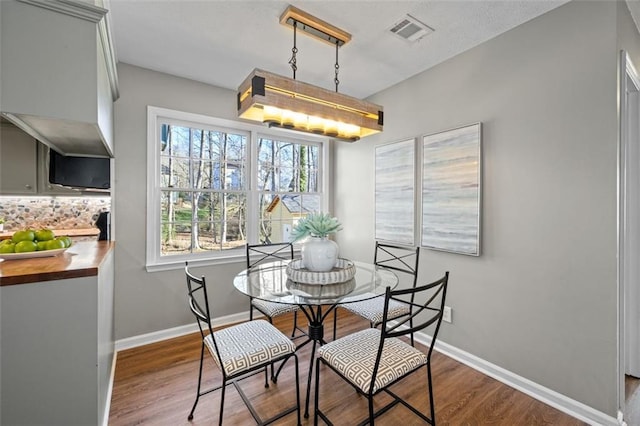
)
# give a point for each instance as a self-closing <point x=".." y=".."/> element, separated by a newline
<point x="276" y="282"/>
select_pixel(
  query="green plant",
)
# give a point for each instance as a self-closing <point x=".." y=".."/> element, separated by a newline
<point x="315" y="225"/>
<point x="1" y="220"/>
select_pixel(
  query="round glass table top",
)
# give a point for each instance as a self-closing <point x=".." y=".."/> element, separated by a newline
<point x="269" y="281"/>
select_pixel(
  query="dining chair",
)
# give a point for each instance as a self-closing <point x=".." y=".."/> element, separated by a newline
<point x="240" y="351"/>
<point x="373" y="359"/>
<point x="262" y="253"/>
<point x="396" y="258"/>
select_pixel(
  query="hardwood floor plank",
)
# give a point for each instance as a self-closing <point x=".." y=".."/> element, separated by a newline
<point x="156" y="385"/>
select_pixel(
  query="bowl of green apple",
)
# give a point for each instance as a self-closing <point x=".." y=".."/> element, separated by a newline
<point x="29" y="243"/>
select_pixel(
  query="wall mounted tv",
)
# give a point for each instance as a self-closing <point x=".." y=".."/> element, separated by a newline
<point x="88" y="173"/>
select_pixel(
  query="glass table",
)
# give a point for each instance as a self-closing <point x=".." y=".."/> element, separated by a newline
<point x="270" y="282"/>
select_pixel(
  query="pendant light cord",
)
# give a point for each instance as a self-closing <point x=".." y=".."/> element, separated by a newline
<point x="294" y="50"/>
<point x="337" y="66"/>
<point x="294" y="62"/>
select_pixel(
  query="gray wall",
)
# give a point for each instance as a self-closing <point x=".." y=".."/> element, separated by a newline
<point x="541" y="300"/>
<point x="147" y="302"/>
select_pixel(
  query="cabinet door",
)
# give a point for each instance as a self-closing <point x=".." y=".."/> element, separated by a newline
<point x="18" y="161"/>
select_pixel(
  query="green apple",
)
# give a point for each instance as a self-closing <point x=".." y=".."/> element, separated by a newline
<point x="25" y="246"/>
<point x="6" y="241"/>
<point x="44" y="234"/>
<point x="67" y="240"/>
<point x="24" y="235"/>
<point x="55" y="244"/>
<point x="7" y="248"/>
<point x="42" y="245"/>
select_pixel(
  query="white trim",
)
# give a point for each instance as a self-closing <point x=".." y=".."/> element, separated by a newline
<point x="170" y="333"/>
<point x="77" y="9"/>
<point x="550" y="397"/>
<point x="626" y="71"/>
<point x="107" y="407"/>
<point x="620" y="419"/>
<point x="108" y="48"/>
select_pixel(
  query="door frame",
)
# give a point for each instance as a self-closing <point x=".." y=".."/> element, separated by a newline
<point x="628" y="79"/>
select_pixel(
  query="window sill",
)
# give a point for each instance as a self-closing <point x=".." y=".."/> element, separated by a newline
<point x="178" y="263"/>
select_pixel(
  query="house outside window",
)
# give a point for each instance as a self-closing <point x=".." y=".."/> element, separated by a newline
<point x="287" y="185"/>
<point x="215" y="185"/>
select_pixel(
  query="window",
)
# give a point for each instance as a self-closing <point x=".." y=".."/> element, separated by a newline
<point x="214" y="185"/>
<point x="287" y="186"/>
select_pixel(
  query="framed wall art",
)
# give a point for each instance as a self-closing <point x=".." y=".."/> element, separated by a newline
<point x="451" y="174"/>
<point x="395" y="192"/>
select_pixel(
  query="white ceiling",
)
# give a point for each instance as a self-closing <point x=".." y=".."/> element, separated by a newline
<point x="220" y="42"/>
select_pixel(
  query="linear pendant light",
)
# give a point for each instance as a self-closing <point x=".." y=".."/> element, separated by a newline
<point x="279" y="101"/>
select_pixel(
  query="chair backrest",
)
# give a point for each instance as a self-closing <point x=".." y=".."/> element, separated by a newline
<point x="261" y="253"/>
<point x="199" y="303"/>
<point x="427" y="306"/>
<point x="398" y="258"/>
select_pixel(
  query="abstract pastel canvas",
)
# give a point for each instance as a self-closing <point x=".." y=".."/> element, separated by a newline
<point x="395" y="192"/>
<point x="451" y="190"/>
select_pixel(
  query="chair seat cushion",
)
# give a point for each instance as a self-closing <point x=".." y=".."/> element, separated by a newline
<point x="247" y="345"/>
<point x="354" y="357"/>
<point x="273" y="309"/>
<point x="373" y="309"/>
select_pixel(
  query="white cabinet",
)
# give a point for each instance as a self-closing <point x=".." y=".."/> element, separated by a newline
<point x="58" y="72"/>
<point x="18" y="161"/>
<point x="57" y="350"/>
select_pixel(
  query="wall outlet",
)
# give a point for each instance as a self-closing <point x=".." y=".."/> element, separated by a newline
<point x="446" y="314"/>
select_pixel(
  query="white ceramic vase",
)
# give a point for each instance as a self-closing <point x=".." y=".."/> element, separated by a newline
<point x="319" y="254"/>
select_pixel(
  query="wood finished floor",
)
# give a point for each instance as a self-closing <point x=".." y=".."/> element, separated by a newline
<point x="632" y="400"/>
<point x="156" y="384"/>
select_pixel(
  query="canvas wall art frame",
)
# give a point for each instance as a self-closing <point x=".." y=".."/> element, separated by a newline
<point x="395" y="192"/>
<point x="451" y="188"/>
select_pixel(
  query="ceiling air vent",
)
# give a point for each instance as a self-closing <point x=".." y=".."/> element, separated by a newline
<point x="410" y="29"/>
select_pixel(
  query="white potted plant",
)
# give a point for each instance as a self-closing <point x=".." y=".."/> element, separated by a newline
<point x="319" y="254"/>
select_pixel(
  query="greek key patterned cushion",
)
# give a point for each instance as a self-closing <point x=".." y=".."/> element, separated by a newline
<point x="373" y="309"/>
<point x="248" y="344"/>
<point x="273" y="309"/>
<point x="354" y="357"/>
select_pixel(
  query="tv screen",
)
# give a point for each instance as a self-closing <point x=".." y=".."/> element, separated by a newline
<point x="79" y="172"/>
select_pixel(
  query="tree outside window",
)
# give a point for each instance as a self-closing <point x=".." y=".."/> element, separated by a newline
<point x="213" y="196"/>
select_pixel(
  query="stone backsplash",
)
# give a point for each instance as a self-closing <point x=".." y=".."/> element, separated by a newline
<point x="52" y="212"/>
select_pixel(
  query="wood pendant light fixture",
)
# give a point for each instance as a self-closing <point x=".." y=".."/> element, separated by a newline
<point x="288" y="103"/>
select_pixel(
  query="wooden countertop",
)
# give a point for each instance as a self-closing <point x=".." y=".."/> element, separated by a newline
<point x="82" y="259"/>
<point x="79" y="232"/>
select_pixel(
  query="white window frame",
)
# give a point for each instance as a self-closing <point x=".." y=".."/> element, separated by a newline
<point x="156" y="262"/>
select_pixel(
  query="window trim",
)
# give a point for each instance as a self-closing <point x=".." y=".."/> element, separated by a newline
<point x="153" y="261"/>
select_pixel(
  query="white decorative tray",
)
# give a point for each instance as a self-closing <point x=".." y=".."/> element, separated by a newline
<point x="315" y="291"/>
<point x="343" y="271"/>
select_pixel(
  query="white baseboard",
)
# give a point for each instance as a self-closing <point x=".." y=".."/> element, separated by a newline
<point x="170" y="333"/>
<point x="550" y="397"/>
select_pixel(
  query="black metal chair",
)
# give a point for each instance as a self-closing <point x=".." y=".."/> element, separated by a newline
<point x="397" y="258"/>
<point x="240" y="351"/>
<point x="372" y="360"/>
<point x="262" y="253"/>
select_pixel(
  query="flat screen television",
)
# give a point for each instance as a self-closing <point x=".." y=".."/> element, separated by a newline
<point x="90" y="173"/>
